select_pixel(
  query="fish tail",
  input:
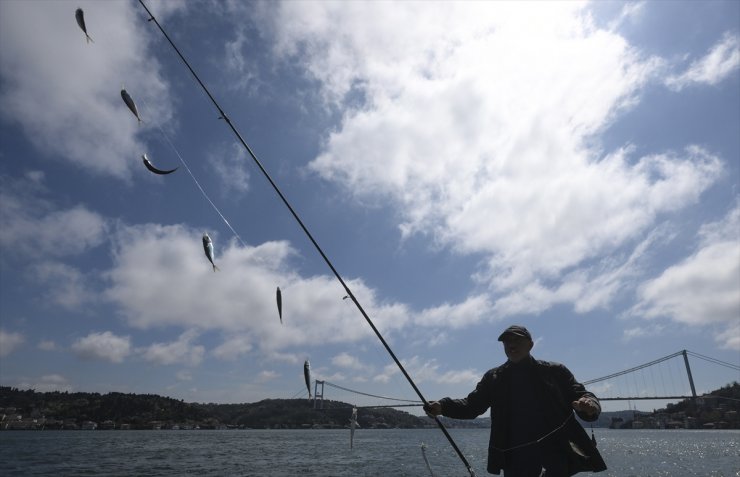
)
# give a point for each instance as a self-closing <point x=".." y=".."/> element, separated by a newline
<point x="214" y="267"/>
<point x="89" y="40"/>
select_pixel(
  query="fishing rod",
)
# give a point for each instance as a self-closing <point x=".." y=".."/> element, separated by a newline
<point x="310" y="237"/>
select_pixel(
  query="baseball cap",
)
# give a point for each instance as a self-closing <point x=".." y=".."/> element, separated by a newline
<point x="516" y="330"/>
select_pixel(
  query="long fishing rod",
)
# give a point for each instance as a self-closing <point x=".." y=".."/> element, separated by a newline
<point x="308" y="234"/>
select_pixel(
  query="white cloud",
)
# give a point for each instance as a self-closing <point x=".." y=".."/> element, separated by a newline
<point x="704" y="289"/>
<point x="587" y="288"/>
<point x="160" y="277"/>
<point x="491" y="157"/>
<point x="10" y="342"/>
<point x="103" y="346"/>
<point x="631" y="13"/>
<point x="266" y="376"/>
<point x="182" y="351"/>
<point x="730" y="337"/>
<point x="240" y="62"/>
<point x="34" y="227"/>
<point x="39" y="233"/>
<point x="642" y="331"/>
<point x="65" y="231"/>
<point x="347" y="361"/>
<point x="233" y="348"/>
<point x="473" y="310"/>
<point x="323" y="376"/>
<point x="429" y="371"/>
<point x="84" y="120"/>
<point x="721" y="60"/>
<point x="66" y="286"/>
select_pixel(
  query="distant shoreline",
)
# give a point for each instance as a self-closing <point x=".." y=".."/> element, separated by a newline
<point x="31" y="410"/>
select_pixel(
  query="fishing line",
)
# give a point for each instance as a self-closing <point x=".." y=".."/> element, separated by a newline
<point x="223" y="116"/>
<point x="187" y="168"/>
<point x="536" y="441"/>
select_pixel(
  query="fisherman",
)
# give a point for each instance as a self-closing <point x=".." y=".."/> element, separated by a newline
<point x="533" y="430"/>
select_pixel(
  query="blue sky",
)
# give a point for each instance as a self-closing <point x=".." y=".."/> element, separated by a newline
<point x="572" y="167"/>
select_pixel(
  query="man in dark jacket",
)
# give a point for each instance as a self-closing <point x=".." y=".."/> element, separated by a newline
<point x="533" y="429"/>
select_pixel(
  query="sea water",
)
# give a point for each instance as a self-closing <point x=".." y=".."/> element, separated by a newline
<point x="392" y="452"/>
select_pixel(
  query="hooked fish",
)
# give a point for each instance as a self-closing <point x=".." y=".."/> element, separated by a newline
<point x="279" y="298"/>
<point x="307" y="376"/>
<point x="80" y="17"/>
<point x="426" y="461"/>
<point x="151" y="167"/>
<point x="208" y="248"/>
<point x="352" y="426"/>
<point x="130" y="103"/>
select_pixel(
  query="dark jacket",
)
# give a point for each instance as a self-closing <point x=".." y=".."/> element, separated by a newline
<point x="556" y="388"/>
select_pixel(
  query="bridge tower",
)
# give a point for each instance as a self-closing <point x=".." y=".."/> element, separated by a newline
<point x="318" y="395"/>
<point x="688" y="372"/>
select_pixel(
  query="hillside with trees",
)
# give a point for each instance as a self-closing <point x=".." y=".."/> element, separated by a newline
<point x="28" y="409"/>
<point x="22" y="409"/>
<point x="719" y="409"/>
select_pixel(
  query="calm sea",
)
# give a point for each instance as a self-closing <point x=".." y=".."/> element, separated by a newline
<point x="628" y="453"/>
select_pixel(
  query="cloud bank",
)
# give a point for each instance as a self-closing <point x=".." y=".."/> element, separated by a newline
<point x="480" y="125"/>
<point x="705" y="287"/>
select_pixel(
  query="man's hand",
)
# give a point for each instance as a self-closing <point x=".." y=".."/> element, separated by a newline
<point x="586" y="406"/>
<point x="433" y="408"/>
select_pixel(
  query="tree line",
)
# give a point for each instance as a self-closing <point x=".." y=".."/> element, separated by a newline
<point x="141" y="411"/>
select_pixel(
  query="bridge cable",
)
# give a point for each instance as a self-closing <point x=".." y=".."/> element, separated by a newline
<point x="714" y="360"/>
<point x="636" y="368"/>
<point x="371" y="395"/>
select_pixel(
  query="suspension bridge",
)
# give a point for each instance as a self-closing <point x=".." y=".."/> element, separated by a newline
<point x="666" y="378"/>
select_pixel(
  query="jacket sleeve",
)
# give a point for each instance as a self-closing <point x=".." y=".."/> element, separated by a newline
<point x="472" y="406"/>
<point x="575" y="391"/>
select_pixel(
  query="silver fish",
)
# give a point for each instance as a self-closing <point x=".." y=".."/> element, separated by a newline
<point x="80" y="17"/>
<point x="352" y="426"/>
<point x="426" y="461"/>
<point x="151" y="167"/>
<point x="208" y="248"/>
<point x="279" y="298"/>
<point x="130" y="103"/>
<point x="307" y="376"/>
